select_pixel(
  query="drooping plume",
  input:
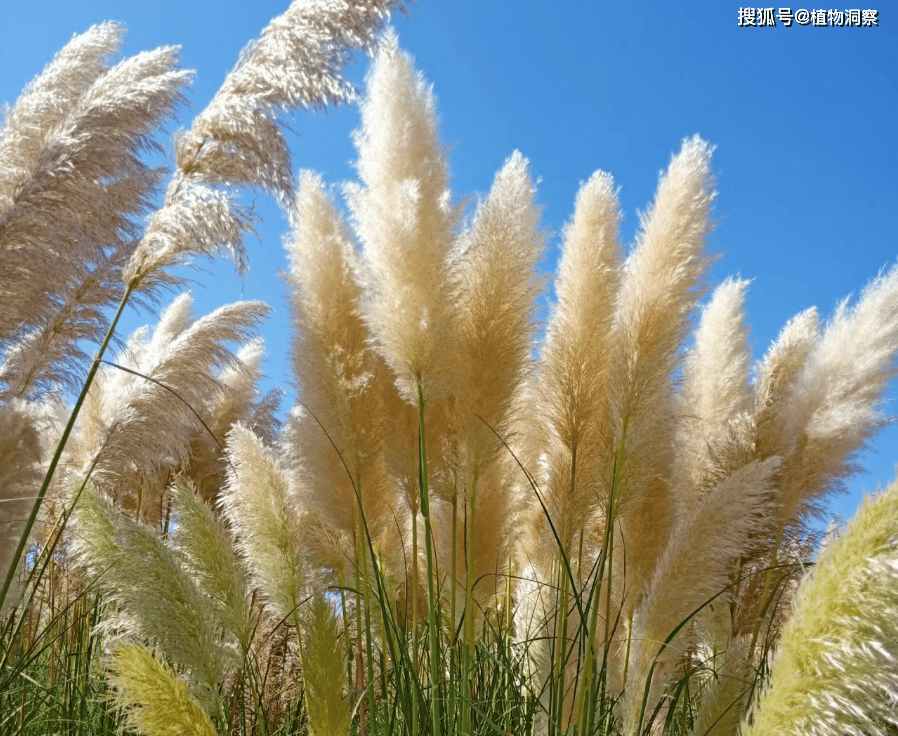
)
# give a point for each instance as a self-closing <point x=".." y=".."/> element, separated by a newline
<point x="149" y="422"/>
<point x="297" y="61"/>
<point x="836" y="404"/>
<point x="72" y="185"/>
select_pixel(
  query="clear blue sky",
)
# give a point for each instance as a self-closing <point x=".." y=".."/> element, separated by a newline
<point x="803" y="119"/>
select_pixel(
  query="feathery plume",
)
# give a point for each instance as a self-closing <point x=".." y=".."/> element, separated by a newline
<point x="714" y="396"/>
<point x="151" y="698"/>
<point x="47" y="101"/>
<point x="569" y="425"/>
<point x="776" y="375"/>
<point x="86" y="184"/>
<point x="723" y="700"/>
<point x="257" y="503"/>
<point x="152" y="426"/>
<point x="50" y="356"/>
<point x="335" y="368"/>
<point x="323" y="672"/>
<point x="20" y="454"/>
<point x="836" y="403"/>
<point x="835" y="670"/>
<point x="405" y="221"/>
<point x="693" y="569"/>
<point x="659" y="289"/>
<point x="208" y="556"/>
<point x="493" y="267"/>
<point x="297" y="61"/>
<point x="239" y="400"/>
<point x="156" y="600"/>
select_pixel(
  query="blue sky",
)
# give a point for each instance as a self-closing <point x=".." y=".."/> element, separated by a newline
<point x="803" y="120"/>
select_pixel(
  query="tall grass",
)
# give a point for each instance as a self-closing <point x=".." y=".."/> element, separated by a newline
<point x="456" y="530"/>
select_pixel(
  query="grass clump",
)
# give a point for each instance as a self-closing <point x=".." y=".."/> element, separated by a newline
<point x="456" y="529"/>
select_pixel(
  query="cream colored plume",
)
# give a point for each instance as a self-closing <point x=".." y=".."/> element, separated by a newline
<point x="74" y="186"/>
<point x="48" y="100"/>
<point x="151" y="421"/>
<point x="714" y="397"/>
<point x="238" y="400"/>
<point x="568" y="419"/>
<point x="495" y="280"/>
<point x="660" y="286"/>
<point x="296" y="61"/>
<point x="342" y="417"/>
<point x="693" y="569"/>
<point x="836" y="402"/>
<point x="405" y="221"/>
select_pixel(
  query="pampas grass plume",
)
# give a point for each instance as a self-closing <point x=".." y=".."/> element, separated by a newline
<point x="257" y="501"/>
<point x="20" y="453"/>
<point x="405" y="222"/>
<point x="156" y="600"/>
<point x="715" y="392"/>
<point x="571" y="392"/>
<point x="323" y="672"/>
<point x="837" y="665"/>
<point x="208" y="555"/>
<point x="692" y="570"/>
<point x="151" y="698"/>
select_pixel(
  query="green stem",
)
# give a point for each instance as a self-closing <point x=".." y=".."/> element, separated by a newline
<point x="453" y="576"/>
<point x="767" y="594"/>
<point x="468" y="648"/>
<point x="369" y="647"/>
<point x="432" y="633"/>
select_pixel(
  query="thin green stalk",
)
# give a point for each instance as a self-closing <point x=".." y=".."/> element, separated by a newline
<point x="433" y="631"/>
<point x="467" y="662"/>
<point x="346" y="630"/>
<point x="506" y="643"/>
<point x="767" y="599"/>
<point x="562" y="632"/>
<point x="412" y="619"/>
<point x="360" y="672"/>
<point x="453" y="576"/>
<point x="57" y="455"/>
<point x="366" y="600"/>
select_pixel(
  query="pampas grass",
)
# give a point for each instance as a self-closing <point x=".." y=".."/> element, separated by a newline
<point x="133" y="567"/>
<point x="152" y="700"/>
<point x="257" y="503"/>
<point x="835" y="670"/>
<point x="601" y="533"/>
<point x="323" y="673"/>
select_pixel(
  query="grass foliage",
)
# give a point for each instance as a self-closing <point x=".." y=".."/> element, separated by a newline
<point x="458" y="528"/>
